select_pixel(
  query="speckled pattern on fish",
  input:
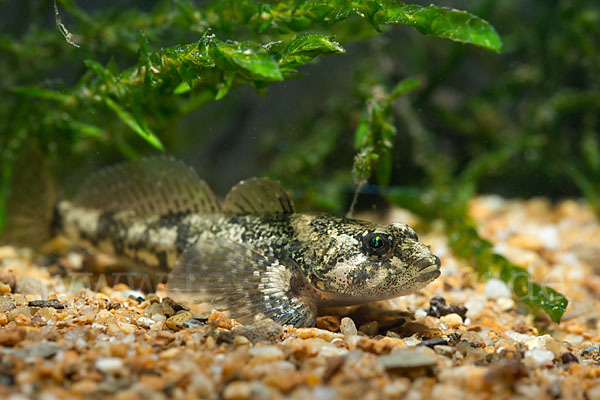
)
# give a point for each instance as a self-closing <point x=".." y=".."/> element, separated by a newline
<point x="253" y="256"/>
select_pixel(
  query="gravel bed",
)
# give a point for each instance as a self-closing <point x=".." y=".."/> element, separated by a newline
<point x="457" y="338"/>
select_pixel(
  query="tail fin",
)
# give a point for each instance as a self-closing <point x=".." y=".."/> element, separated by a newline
<point x="31" y="202"/>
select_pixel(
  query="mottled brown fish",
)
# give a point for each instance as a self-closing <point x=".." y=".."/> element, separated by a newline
<point x="253" y="256"/>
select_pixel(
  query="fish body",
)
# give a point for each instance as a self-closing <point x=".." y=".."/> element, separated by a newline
<point x="253" y="256"/>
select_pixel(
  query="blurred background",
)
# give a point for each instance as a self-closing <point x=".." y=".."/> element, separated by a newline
<point x="524" y="121"/>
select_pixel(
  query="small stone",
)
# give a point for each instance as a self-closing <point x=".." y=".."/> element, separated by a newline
<point x="54" y="303"/>
<point x="240" y="390"/>
<point x="159" y="309"/>
<point x="262" y="331"/>
<point x="169" y="353"/>
<point x="347" y="327"/>
<point x="176" y="322"/>
<point x="8" y="277"/>
<point x="452" y="320"/>
<point x="433" y="342"/>
<point x="505" y="303"/>
<point x="267" y="353"/>
<point x="109" y="365"/>
<point x="329" y="322"/>
<point x="22" y="320"/>
<point x="589" y="350"/>
<point x="241" y="341"/>
<point x="194" y="323"/>
<point x="568" y="358"/>
<point x="444" y="350"/>
<point x="407" y="359"/>
<point x="3" y="319"/>
<point x="5" y="288"/>
<point x="145" y="322"/>
<point x="175" y="306"/>
<point x="369" y="329"/>
<point x="495" y="289"/>
<point x="11" y="336"/>
<point x="28" y="285"/>
<point x="44" y="350"/>
<point x="538" y="357"/>
<point x="438" y="308"/>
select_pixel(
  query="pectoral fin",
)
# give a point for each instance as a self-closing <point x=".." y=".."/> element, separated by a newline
<point x="242" y="282"/>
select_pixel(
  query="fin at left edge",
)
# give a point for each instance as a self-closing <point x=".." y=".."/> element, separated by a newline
<point x="31" y="201"/>
<point x="243" y="283"/>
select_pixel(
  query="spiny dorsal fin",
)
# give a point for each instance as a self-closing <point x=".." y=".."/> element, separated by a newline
<point x="244" y="283"/>
<point x="151" y="185"/>
<point x="258" y="196"/>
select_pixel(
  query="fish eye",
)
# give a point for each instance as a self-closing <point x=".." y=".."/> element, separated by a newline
<point x="376" y="243"/>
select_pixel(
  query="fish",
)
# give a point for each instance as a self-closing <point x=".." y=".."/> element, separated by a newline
<point x="251" y="256"/>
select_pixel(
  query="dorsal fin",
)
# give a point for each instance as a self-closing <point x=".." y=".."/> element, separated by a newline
<point x="150" y="185"/>
<point x="258" y="196"/>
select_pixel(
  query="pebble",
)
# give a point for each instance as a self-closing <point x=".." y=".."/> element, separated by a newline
<point x="329" y="322"/>
<point x="240" y="390"/>
<point x="444" y="350"/>
<point x="538" y="357"/>
<point x="43" y="350"/>
<point x="407" y="359"/>
<point x="505" y="303"/>
<point x="267" y="353"/>
<point x="22" y="320"/>
<point x="29" y="285"/>
<point x="109" y="365"/>
<point x="54" y="303"/>
<point x="11" y="336"/>
<point x="177" y="321"/>
<point x="347" y="327"/>
<point x="5" y="288"/>
<point x="495" y="289"/>
<point x="452" y="320"/>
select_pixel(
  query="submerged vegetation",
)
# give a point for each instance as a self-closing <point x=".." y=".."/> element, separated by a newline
<point x="431" y="122"/>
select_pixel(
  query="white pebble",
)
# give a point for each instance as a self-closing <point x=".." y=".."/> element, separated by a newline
<point x="109" y="365"/>
<point x="549" y="237"/>
<point x="538" y="342"/>
<point x="267" y="353"/>
<point x="505" y="303"/>
<point x="538" y="357"/>
<point x="348" y="327"/>
<point x="145" y="322"/>
<point x="518" y="337"/>
<point x="475" y="306"/>
<point x="453" y="320"/>
<point x="495" y="288"/>
<point x="101" y="327"/>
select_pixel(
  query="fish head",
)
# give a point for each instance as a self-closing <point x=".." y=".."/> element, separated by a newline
<point x="365" y="262"/>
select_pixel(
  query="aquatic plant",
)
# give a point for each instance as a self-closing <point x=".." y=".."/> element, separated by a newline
<point x="181" y="56"/>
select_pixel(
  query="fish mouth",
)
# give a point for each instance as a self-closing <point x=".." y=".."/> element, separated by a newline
<point x="429" y="268"/>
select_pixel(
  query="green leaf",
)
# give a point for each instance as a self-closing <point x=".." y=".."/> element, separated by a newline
<point x="403" y="87"/>
<point x="459" y="26"/>
<point x="467" y="243"/>
<point x="182" y="88"/>
<point x="305" y="47"/>
<point x="131" y="122"/>
<point x="249" y="59"/>
<point x="86" y="129"/>
<point x="43" y="94"/>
